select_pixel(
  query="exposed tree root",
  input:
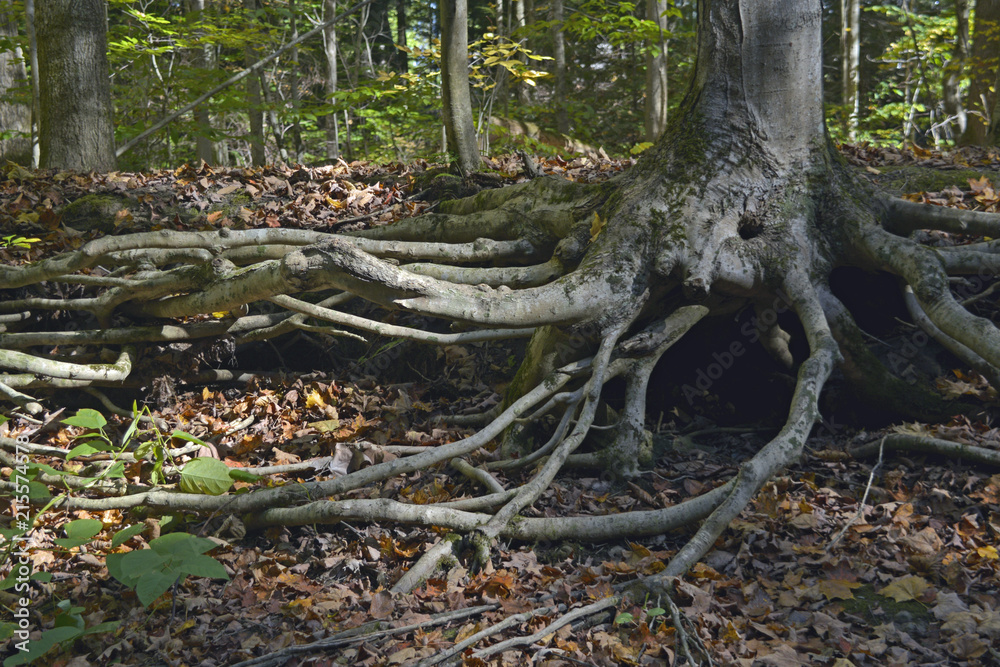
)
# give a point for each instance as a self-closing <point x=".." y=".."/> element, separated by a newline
<point x="901" y="442"/>
<point x="604" y="278"/>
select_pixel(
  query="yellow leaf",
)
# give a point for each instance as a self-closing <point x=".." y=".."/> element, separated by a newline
<point x="988" y="552"/>
<point x="839" y="589"/>
<point x="596" y="227"/>
<point x="314" y="400"/>
<point x="906" y="588"/>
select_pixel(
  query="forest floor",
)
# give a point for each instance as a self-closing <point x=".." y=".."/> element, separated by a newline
<point x="808" y="575"/>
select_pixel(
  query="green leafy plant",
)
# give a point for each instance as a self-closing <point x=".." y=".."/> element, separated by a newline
<point x="69" y="625"/>
<point x="150" y="572"/>
<point x="15" y="241"/>
<point x="648" y="614"/>
<point x="171" y="558"/>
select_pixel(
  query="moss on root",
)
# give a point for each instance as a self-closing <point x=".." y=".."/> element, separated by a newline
<point x="912" y="178"/>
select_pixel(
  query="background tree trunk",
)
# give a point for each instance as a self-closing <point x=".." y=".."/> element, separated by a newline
<point x="656" y="73"/>
<point x="850" y="33"/>
<point x="204" y="60"/>
<point x="402" y="60"/>
<point x="955" y="68"/>
<point x="983" y="69"/>
<point x="455" y="94"/>
<point x="257" y="155"/>
<point x="294" y="84"/>
<point x="15" y="115"/>
<point x="559" y="63"/>
<point x="523" y="90"/>
<point x="330" y="52"/>
<point x="77" y="123"/>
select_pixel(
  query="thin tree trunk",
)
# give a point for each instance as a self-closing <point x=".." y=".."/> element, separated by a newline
<point x="955" y="68"/>
<point x="523" y="89"/>
<point x="77" y="122"/>
<point x="455" y="94"/>
<point x="204" y="60"/>
<point x="559" y="62"/>
<point x="402" y="61"/>
<point x="656" y="72"/>
<point x="256" y="113"/>
<point x="29" y="20"/>
<point x="982" y="68"/>
<point x="850" y="35"/>
<point x="330" y="52"/>
<point x="15" y="115"/>
<point x="294" y="83"/>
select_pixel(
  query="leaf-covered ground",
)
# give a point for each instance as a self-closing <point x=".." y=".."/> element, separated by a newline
<point x="807" y="576"/>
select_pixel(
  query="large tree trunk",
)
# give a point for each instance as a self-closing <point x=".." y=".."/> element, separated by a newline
<point x="456" y="97"/>
<point x="739" y="204"/>
<point x="76" y="124"/>
<point x="983" y="66"/>
<point x="15" y="114"/>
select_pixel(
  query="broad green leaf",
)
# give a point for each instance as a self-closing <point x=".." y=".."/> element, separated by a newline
<point x="154" y="584"/>
<point x="86" y="418"/>
<point x="203" y="566"/>
<point x="106" y="626"/>
<point x="123" y="535"/>
<point x="87" y="448"/>
<point x="205" y="475"/>
<point x="187" y="436"/>
<point x="244" y="476"/>
<point x="41" y="646"/>
<point x="131" y="567"/>
<point x="181" y="545"/>
<point x="80" y="532"/>
<point x="116" y="471"/>
<point x="38" y="491"/>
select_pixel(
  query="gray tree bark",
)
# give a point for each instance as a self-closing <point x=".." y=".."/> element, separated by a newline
<point x="330" y="84"/>
<point x="255" y="102"/>
<point x="15" y="113"/>
<point x="76" y="115"/>
<point x="456" y="96"/>
<point x="955" y="68"/>
<point x="850" y="39"/>
<point x="207" y="150"/>
<point x="656" y="73"/>
<point x="559" y="65"/>
<point x="983" y="66"/>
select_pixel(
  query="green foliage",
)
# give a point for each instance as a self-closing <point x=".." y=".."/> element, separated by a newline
<point x="169" y="559"/>
<point x="904" y="102"/>
<point x="15" y="241"/>
<point x="68" y="626"/>
<point x="150" y="572"/>
<point x="205" y="475"/>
